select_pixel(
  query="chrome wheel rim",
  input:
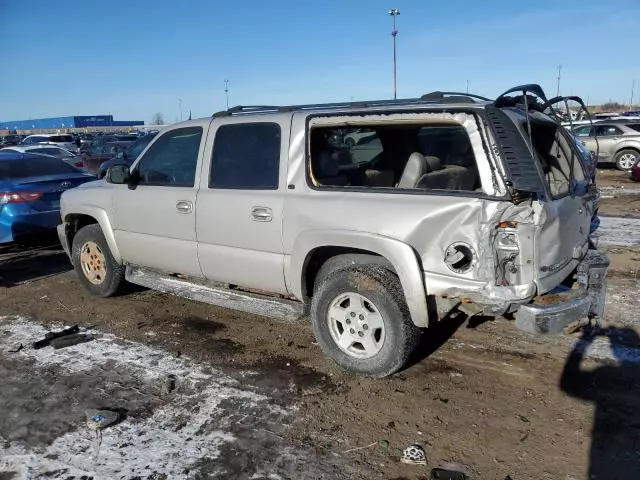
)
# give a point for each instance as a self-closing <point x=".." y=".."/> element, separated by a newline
<point x="356" y="325"/>
<point x="627" y="161"/>
<point x="93" y="263"/>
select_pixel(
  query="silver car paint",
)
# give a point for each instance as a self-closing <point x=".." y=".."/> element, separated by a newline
<point x="234" y="245"/>
<point x="412" y="230"/>
<point x="149" y="227"/>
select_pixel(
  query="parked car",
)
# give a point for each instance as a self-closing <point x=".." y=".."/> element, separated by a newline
<point x="30" y="189"/>
<point x="128" y="156"/>
<point x="64" y="141"/>
<point x="617" y="142"/>
<point x="100" y="152"/>
<point x="454" y="212"/>
<point x="9" y="140"/>
<point x="50" y="150"/>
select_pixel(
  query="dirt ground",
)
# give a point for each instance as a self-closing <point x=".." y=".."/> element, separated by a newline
<point x="482" y="394"/>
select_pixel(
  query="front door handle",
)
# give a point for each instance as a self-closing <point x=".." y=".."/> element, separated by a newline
<point x="184" y="206"/>
<point x="261" y="214"/>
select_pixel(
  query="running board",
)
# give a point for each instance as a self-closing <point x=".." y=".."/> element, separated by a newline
<point x="255" y="304"/>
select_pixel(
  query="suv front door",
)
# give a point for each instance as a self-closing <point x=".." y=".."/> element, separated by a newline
<point x="240" y="204"/>
<point x="607" y="138"/>
<point x="154" y="221"/>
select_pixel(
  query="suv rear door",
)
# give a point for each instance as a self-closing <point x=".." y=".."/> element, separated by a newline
<point x="240" y="203"/>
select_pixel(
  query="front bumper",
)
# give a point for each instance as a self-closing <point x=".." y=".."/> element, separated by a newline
<point x="64" y="238"/>
<point x="554" y="312"/>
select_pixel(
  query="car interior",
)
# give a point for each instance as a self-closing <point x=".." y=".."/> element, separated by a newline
<point x="406" y="156"/>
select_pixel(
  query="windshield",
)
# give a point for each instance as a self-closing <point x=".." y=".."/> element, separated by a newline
<point x="33" y="167"/>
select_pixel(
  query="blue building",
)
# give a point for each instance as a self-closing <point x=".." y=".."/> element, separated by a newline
<point x="81" y="121"/>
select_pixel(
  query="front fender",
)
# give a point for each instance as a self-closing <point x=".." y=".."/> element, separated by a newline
<point x="103" y="220"/>
<point x="399" y="254"/>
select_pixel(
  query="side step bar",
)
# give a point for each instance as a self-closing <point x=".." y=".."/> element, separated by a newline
<point x="255" y="304"/>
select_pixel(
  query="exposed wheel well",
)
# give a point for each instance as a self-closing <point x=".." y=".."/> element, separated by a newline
<point x="635" y="149"/>
<point x="77" y="221"/>
<point x="337" y="256"/>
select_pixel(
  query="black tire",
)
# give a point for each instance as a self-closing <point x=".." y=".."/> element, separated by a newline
<point x="384" y="290"/>
<point x="114" y="277"/>
<point x="619" y="158"/>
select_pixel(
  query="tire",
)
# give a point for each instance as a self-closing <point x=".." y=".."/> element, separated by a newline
<point x="106" y="276"/>
<point x="364" y="295"/>
<point x="625" y="159"/>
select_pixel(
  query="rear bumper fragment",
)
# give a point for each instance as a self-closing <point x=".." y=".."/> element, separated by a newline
<point x="554" y="312"/>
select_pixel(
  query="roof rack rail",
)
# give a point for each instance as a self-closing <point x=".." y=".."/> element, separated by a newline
<point x="437" y="95"/>
<point x="248" y="109"/>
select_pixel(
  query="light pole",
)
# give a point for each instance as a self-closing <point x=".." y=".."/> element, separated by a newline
<point x="226" y="91"/>
<point x="394" y="12"/>
<point x="180" y="108"/>
<point x="633" y="88"/>
<point x="559" y="76"/>
<point x="467" y="86"/>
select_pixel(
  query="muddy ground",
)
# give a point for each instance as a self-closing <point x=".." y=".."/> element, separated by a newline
<point x="255" y="398"/>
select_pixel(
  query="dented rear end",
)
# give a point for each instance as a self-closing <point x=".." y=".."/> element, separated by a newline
<point x="539" y="244"/>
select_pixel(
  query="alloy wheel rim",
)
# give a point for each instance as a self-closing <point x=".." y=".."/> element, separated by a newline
<point x="93" y="263"/>
<point x="356" y="325"/>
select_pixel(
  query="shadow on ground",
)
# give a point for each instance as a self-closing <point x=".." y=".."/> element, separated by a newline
<point x="613" y="389"/>
<point x="25" y="263"/>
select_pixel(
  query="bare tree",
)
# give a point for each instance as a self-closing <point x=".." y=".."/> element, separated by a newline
<point x="157" y="119"/>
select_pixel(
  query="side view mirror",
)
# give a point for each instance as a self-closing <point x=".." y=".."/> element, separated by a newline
<point x="118" y="175"/>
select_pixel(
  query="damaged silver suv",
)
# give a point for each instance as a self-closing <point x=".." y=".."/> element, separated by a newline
<point x="374" y="218"/>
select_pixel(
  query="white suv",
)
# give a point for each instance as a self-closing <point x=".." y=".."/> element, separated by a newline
<point x="61" y="140"/>
<point x="459" y="203"/>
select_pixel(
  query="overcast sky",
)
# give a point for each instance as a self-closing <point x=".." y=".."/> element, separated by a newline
<point x="131" y="59"/>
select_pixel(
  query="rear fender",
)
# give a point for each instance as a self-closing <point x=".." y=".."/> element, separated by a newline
<point x="399" y="254"/>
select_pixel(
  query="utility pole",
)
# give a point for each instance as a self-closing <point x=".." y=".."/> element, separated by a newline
<point x="226" y="91"/>
<point x="559" y="77"/>
<point x="633" y="88"/>
<point x="394" y="12"/>
<point x="467" y="86"/>
<point x="180" y="108"/>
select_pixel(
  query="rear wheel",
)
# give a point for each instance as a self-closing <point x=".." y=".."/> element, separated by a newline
<point x="625" y="159"/>
<point x="361" y="320"/>
<point x="94" y="264"/>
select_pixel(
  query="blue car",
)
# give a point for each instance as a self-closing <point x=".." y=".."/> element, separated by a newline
<point x="30" y="190"/>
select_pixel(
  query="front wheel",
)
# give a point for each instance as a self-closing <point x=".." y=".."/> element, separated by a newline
<point x="95" y="266"/>
<point x="361" y="320"/>
<point x="626" y="159"/>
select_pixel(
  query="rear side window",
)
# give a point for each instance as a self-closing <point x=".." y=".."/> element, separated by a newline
<point x="634" y="126"/>
<point x="607" y="131"/>
<point x="246" y="156"/>
<point x="33" y="167"/>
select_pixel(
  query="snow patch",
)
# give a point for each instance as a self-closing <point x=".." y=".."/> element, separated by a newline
<point x="188" y="428"/>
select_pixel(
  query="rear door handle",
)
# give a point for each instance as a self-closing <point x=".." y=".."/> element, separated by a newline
<point x="261" y="214"/>
<point x="184" y="206"/>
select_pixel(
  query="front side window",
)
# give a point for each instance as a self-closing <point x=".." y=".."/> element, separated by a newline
<point x="171" y="161"/>
<point x="246" y="156"/>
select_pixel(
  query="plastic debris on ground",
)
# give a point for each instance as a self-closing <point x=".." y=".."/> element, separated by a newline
<point x="101" y="419"/>
<point x="414" y="455"/>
